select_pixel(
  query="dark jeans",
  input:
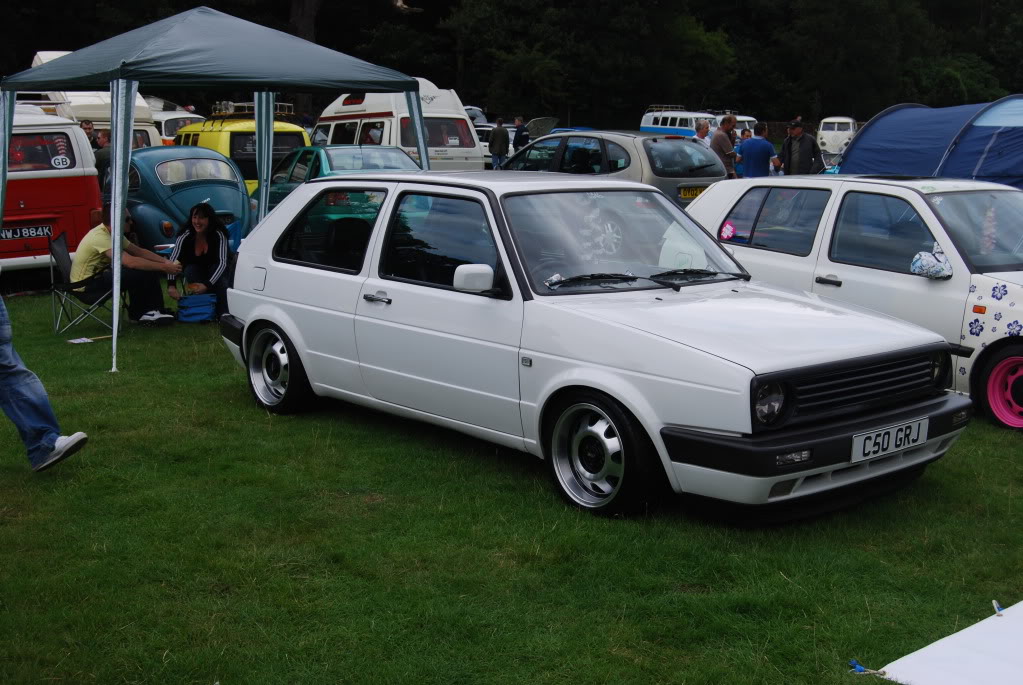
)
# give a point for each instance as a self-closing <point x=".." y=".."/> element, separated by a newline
<point x="144" y="291"/>
<point x="197" y="274"/>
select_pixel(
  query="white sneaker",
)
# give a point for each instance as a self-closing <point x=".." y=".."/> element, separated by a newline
<point x="156" y="318"/>
<point x="65" y="446"/>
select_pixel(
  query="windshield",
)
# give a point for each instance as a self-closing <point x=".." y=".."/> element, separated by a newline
<point x="630" y="233"/>
<point x="352" y="159"/>
<point x="678" y="158"/>
<point x="181" y="170"/>
<point x="987" y="227"/>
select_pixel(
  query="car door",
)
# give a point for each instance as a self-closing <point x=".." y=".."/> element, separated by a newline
<point x="775" y="232"/>
<point x="280" y="183"/>
<point x="582" y="155"/>
<point x="874" y="235"/>
<point x="425" y="345"/>
<point x="315" y="276"/>
<point x="540" y="156"/>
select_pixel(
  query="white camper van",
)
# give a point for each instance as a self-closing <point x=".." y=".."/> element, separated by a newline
<point x="95" y="106"/>
<point x="383" y="119"/>
<point x="834" y="133"/>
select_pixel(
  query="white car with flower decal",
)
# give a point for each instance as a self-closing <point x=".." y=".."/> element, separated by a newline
<point x="588" y="322"/>
<point x="945" y="254"/>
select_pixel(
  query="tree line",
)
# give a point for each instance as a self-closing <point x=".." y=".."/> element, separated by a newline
<point x="601" y="62"/>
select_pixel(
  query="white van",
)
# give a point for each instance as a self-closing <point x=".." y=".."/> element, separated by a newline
<point x="834" y="133"/>
<point x="673" y="120"/>
<point x="95" y="106"/>
<point x="383" y="119"/>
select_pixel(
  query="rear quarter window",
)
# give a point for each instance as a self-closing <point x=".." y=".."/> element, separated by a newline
<point x="40" y="152"/>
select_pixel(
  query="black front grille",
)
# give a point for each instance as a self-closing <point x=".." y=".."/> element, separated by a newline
<point x="863" y="386"/>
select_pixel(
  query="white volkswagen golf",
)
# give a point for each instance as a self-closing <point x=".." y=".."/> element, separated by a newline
<point x="590" y="323"/>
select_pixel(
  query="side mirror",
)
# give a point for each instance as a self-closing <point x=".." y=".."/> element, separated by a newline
<point x="474" y="278"/>
<point x="931" y="265"/>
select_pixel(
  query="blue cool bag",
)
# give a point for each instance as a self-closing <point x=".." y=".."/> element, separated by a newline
<point x="197" y="308"/>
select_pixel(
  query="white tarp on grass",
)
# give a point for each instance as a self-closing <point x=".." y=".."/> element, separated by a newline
<point x="987" y="653"/>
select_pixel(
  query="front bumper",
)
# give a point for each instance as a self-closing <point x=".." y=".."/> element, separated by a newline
<point x="743" y="469"/>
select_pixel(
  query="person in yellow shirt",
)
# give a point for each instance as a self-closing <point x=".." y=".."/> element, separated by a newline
<point x="140" y="272"/>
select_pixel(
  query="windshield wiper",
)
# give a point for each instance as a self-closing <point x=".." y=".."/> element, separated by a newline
<point x="553" y="282"/>
<point x="698" y="272"/>
<point x="702" y="166"/>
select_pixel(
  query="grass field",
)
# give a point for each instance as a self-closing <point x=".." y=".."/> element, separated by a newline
<point x="197" y="539"/>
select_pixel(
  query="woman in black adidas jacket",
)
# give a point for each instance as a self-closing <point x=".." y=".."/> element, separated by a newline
<point x="202" y="247"/>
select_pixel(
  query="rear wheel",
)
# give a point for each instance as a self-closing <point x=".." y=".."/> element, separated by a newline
<point x="1003" y="387"/>
<point x="276" y="376"/>
<point x="600" y="457"/>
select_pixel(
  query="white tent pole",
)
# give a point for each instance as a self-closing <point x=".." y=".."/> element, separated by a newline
<point x="7" y="98"/>
<point x="264" y="147"/>
<point x="122" y="118"/>
<point x="415" y="111"/>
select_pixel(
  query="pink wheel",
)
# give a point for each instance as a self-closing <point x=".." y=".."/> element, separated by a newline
<point x="1004" y="391"/>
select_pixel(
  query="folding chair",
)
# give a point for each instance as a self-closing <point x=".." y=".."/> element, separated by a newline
<point x="67" y="303"/>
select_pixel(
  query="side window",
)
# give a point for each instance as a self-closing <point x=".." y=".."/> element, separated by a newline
<point x="344" y="133"/>
<point x="582" y="156"/>
<point x="789" y="219"/>
<point x="298" y="174"/>
<point x="372" y="133"/>
<point x="879" y="232"/>
<point x="431" y="236"/>
<point x="280" y="172"/>
<point x="333" y="231"/>
<point x="673" y="121"/>
<point x="537" y="157"/>
<point x="738" y="225"/>
<point x="314" y="168"/>
<point x="617" y="157"/>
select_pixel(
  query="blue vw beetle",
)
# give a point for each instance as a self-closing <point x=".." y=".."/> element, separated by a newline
<point x="165" y="182"/>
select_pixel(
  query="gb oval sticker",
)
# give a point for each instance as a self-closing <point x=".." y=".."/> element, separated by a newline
<point x="60" y="162"/>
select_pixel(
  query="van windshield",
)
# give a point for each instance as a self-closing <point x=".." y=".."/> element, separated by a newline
<point x="243" y="150"/>
<point x="440" y="132"/>
<point x="40" y="151"/>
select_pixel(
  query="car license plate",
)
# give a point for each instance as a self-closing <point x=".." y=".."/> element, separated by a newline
<point x="888" y="440"/>
<point x="690" y="193"/>
<point x="23" y="232"/>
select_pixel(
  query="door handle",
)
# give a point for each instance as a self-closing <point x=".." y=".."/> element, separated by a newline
<point x="376" y="298"/>
<point x="828" y="281"/>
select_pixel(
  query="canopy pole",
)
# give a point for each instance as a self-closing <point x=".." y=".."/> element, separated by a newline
<point x="122" y="118"/>
<point x="264" y="147"/>
<point x="7" y="99"/>
<point x="415" y="111"/>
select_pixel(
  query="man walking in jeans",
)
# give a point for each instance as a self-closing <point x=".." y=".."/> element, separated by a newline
<point x="24" y="400"/>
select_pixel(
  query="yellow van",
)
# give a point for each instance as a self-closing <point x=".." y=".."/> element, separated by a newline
<point x="234" y="136"/>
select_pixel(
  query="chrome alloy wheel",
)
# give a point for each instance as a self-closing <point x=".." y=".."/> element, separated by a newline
<point x="587" y="454"/>
<point x="612" y="237"/>
<point x="269" y="367"/>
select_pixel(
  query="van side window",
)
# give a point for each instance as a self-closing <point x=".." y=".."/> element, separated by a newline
<point x="372" y="133"/>
<point x="344" y="133"/>
<point x="40" y="151"/>
<point x="333" y="231"/>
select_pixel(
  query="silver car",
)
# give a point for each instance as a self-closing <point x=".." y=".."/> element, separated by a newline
<point x="680" y="167"/>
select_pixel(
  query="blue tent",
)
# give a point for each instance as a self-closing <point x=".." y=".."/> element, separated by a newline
<point x="983" y="142"/>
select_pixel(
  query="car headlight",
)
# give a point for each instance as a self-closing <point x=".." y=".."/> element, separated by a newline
<point x="941" y="370"/>
<point x="769" y="403"/>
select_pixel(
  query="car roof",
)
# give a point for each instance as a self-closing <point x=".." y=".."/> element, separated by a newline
<point x="619" y="134"/>
<point x="921" y="184"/>
<point x="160" y="153"/>
<point x="499" y="182"/>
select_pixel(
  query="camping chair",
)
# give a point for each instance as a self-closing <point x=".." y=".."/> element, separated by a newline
<point x="69" y="304"/>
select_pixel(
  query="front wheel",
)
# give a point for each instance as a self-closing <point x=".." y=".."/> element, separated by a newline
<point x="600" y="458"/>
<point x="276" y="376"/>
<point x="1003" y="387"/>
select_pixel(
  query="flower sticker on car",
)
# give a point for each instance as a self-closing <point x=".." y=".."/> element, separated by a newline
<point x="973" y="288"/>
<point x="1014" y="328"/>
<point x="976" y="327"/>
<point x="999" y="291"/>
<point x="998" y="316"/>
<point x="727" y="231"/>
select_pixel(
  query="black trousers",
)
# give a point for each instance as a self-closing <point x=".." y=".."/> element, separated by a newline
<point x="144" y="291"/>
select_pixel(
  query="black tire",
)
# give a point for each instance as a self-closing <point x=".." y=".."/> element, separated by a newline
<point x="276" y="376"/>
<point x="599" y="456"/>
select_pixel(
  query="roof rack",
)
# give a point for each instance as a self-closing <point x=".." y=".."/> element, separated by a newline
<point x="666" y="108"/>
<point x="246" y="110"/>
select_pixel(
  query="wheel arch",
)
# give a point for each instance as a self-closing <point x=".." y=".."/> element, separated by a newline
<point x="266" y="315"/>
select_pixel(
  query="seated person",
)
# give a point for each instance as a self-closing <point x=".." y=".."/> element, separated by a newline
<point x="201" y="249"/>
<point x="140" y="270"/>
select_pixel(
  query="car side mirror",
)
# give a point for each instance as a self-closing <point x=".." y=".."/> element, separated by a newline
<point x="931" y="265"/>
<point x="474" y="278"/>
